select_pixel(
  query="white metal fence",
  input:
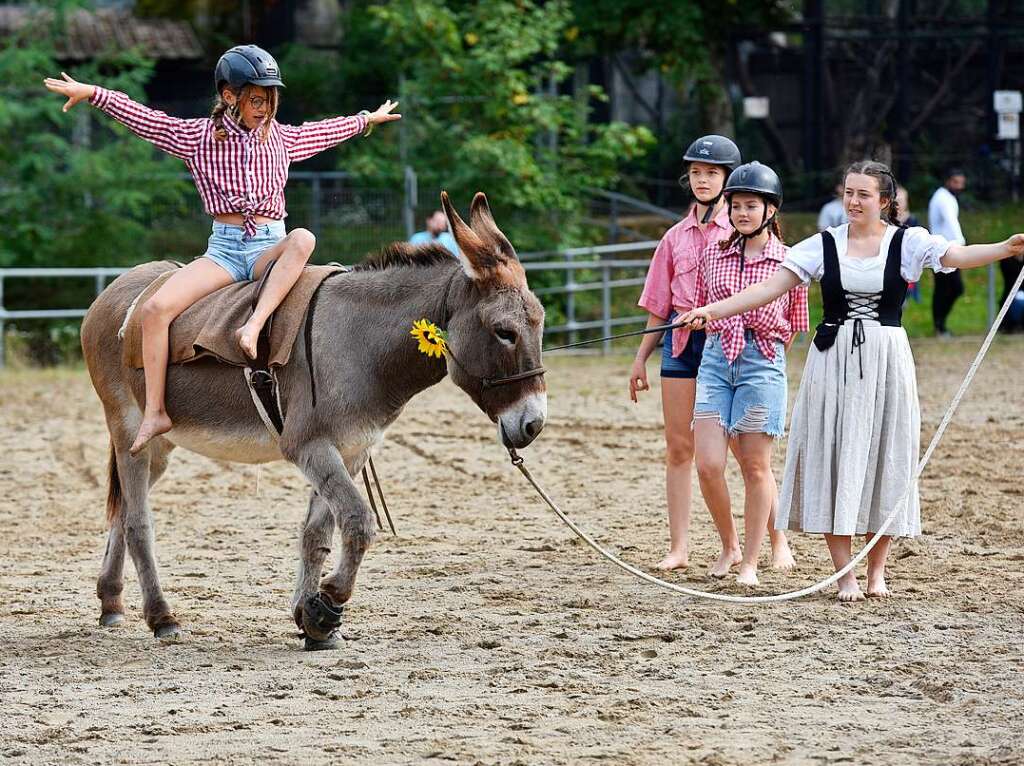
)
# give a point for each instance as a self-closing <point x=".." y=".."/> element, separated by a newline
<point x="603" y="261"/>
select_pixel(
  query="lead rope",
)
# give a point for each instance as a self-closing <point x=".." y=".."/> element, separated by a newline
<point x="517" y="461"/>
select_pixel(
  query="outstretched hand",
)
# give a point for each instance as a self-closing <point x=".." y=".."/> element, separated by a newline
<point x="74" y="90"/>
<point x="384" y="113"/>
<point x="1015" y="245"/>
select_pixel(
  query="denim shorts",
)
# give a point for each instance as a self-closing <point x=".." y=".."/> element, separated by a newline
<point x="687" y="363"/>
<point x="747" y="396"/>
<point x="236" y="255"/>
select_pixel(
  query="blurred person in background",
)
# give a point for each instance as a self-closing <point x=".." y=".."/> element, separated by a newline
<point x="944" y="220"/>
<point x="832" y="212"/>
<point x="1014" y="319"/>
<point x="436" y="231"/>
<point x="907" y="220"/>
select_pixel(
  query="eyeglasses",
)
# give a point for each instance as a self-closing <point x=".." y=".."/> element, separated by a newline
<point x="257" y="101"/>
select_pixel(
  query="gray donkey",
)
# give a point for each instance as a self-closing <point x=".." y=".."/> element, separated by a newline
<point x="365" y="368"/>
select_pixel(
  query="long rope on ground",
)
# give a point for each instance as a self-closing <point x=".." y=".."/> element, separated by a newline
<point x="517" y="461"/>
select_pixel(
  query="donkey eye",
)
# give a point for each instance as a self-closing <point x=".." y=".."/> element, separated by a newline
<point x="505" y="336"/>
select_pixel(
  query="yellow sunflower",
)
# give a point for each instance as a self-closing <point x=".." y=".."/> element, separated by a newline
<point x="433" y="341"/>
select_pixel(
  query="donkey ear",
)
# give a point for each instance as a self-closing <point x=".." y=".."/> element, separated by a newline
<point x="482" y="222"/>
<point x="472" y="251"/>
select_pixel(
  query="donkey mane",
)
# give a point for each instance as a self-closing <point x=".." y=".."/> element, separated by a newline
<point x="404" y="254"/>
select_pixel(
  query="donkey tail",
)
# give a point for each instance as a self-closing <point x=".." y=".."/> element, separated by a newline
<point x="115" y="499"/>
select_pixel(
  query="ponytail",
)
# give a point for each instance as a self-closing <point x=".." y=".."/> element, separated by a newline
<point x="220" y="106"/>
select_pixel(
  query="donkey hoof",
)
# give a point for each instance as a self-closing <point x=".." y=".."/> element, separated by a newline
<point x="320" y="617"/>
<point x="312" y="645"/>
<point x="168" y="632"/>
<point x="111" y="619"/>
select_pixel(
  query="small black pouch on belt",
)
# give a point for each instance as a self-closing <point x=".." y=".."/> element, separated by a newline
<point x="825" y="335"/>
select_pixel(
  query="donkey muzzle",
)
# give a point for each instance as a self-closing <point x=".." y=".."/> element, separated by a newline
<point x="521" y="423"/>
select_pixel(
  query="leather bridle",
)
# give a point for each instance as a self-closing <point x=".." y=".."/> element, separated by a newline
<point x="485" y="382"/>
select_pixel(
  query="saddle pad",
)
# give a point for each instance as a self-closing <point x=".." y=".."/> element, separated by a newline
<point x="207" y="327"/>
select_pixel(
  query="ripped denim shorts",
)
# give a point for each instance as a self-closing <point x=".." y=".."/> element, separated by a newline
<point x="747" y="396"/>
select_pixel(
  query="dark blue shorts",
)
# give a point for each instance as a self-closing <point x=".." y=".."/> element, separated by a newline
<point x="687" y="363"/>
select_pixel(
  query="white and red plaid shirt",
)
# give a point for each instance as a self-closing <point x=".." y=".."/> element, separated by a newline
<point x="722" y="273"/>
<point x="241" y="174"/>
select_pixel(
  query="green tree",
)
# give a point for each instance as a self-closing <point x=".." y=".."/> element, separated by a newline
<point x="483" y="94"/>
<point x="68" y="198"/>
<point x="692" y="43"/>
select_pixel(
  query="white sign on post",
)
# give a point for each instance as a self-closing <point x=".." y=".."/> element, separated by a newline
<point x="1009" y="126"/>
<point x="1007" y="101"/>
<point x="755" y="107"/>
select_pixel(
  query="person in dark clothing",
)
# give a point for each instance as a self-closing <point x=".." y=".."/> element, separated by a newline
<point x="944" y="220"/>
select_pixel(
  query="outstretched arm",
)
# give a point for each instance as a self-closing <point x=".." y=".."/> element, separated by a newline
<point x="178" y="137"/>
<point x="779" y="283"/>
<point x="310" y="138"/>
<point x="969" y="256"/>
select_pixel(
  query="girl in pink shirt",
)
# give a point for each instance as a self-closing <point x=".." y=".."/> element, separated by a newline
<point x="669" y="291"/>
<point x="239" y="158"/>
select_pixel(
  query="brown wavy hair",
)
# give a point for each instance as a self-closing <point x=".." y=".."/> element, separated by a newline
<point x="222" y="109"/>
<point x="887" y="185"/>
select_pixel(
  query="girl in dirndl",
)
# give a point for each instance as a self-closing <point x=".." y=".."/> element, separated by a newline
<point x="855" y="434"/>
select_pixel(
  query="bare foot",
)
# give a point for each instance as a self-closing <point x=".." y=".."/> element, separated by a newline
<point x="849" y="590"/>
<point x="674" y="560"/>
<point x="247" y="337"/>
<point x="726" y="561"/>
<point x="782" y="557"/>
<point x="877" y="587"/>
<point x="747" y="575"/>
<point x="152" y="425"/>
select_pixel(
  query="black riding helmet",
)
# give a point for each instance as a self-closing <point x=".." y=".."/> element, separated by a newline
<point x="247" y="65"/>
<point x="713" y="150"/>
<point x="755" y="178"/>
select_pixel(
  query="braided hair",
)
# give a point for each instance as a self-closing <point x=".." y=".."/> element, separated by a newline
<point x="222" y="108"/>
<point x="887" y="185"/>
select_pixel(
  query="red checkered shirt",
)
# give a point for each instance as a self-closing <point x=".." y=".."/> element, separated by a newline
<point x="722" y="273"/>
<point x="241" y="174"/>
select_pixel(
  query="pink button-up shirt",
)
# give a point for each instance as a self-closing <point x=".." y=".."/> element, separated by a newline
<point x="725" y="272"/>
<point x="672" y="275"/>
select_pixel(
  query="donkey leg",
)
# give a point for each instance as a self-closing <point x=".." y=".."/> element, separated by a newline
<point x="137" y="519"/>
<point x="354" y="544"/>
<point x="323" y="466"/>
<point x="315" y="541"/>
<point x="110" y="584"/>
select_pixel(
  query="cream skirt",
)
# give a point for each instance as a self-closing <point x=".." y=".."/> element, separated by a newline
<point x="854" y="438"/>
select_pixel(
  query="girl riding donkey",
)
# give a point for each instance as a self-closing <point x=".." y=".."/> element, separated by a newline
<point x="741" y="387"/>
<point x="668" y="291"/>
<point x="854" y="442"/>
<point x="239" y="158"/>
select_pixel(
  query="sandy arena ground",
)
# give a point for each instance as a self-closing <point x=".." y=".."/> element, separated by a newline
<point x="486" y="633"/>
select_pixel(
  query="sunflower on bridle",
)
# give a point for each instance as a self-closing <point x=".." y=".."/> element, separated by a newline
<point x="432" y="340"/>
